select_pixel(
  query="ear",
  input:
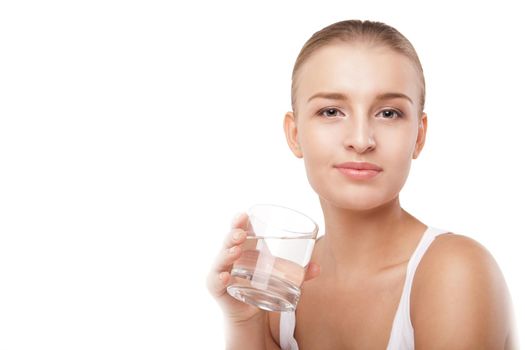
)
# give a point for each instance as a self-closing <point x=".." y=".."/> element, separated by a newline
<point x="290" y="130"/>
<point x="421" y="136"/>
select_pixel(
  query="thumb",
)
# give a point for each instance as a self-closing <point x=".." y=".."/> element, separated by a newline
<point x="313" y="270"/>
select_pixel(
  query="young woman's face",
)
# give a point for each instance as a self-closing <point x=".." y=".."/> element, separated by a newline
<point x="362" y="121"/>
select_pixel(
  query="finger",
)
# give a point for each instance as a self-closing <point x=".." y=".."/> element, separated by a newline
<point x="226" y="258"/>
<point x="235" y="237"/>
<point x="240" y="221"/>
<point x="312" y="271"/>
<point x="217" y="283"/>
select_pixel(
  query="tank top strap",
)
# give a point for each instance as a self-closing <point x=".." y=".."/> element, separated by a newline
<point x="424" y="243"/>
<point x="286" y="331"/>
<point x="402" y="334"/>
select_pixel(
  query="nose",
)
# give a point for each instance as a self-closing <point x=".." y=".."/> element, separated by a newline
<point x="359" y="135"/>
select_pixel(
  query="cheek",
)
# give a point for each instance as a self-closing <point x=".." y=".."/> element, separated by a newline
<point x="317" y="144"/>
<point x="398" y="145"/>
<point x="397" y="155"/>
<point x="318" y="152"/>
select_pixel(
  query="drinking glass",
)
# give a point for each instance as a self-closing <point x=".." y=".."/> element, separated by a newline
<point x="271" y="268"/>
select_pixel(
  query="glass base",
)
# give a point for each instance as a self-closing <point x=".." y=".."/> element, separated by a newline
<point x="278" y="295"/>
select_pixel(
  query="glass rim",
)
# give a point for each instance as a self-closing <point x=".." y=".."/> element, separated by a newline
<point x="312" y="232"/>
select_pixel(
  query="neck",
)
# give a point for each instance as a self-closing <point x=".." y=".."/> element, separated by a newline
<point x="362" y="241"/>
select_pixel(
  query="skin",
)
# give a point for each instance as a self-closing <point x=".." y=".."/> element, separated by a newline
<point x="459" y="298"/>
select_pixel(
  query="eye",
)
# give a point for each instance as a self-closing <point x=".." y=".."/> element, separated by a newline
<point x="391" y="114"/>
<point x="329" y="112"/>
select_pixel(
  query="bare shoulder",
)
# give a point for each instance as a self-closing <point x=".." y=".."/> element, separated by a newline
<point x="458" y="254"/>
<point x="459" y="297"/>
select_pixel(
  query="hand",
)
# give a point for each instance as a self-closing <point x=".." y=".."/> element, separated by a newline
<point x="219" y="276"/>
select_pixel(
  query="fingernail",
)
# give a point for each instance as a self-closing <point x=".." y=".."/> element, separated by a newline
<point x="237" y="235"/>
<point x="222" y="276"/>
<point x="233" y="250"/>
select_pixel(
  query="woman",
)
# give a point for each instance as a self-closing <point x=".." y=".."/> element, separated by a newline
<point x="388" y="280"/>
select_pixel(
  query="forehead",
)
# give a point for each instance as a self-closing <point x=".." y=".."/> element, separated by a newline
<point x="358" y="70"/>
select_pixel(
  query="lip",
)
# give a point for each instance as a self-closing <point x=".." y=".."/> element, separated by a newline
<point x="359" y="170"/>
<point x="359" y="166"/>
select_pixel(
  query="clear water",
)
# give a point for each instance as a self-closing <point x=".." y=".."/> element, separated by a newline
<point x="270" y="272"/>
<point x="279" y="295"/>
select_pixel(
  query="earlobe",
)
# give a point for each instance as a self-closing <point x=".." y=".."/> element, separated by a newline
<point x="290" y="131"/>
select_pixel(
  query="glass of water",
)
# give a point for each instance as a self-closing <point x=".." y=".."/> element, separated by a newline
<point x="271" y="268"/>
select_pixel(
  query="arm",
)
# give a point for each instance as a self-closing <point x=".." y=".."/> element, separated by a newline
<point x="239" y="336"/>
<point x="459" y="298"/>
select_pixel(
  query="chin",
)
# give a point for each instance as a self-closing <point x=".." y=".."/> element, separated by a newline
<point x="357" y="206"/>
<point x="358" y="196"/>
<point x="358" y="200"/>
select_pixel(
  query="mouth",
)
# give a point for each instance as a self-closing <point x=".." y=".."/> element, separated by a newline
<point x="359" y="170"/>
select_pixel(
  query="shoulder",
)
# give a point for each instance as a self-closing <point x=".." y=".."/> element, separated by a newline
<point x="456" y="261"/>
<point x="457" y="254"/>
<point x="459" y="297"/>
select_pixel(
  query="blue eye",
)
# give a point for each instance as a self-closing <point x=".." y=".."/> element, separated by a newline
<point x="391" y="114"/>
<point x="329" y="112"/>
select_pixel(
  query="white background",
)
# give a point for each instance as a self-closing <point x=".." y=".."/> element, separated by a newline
<point x="131" y="132"/>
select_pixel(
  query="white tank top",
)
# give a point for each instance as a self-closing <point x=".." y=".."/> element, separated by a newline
<point x="402" y="333"/>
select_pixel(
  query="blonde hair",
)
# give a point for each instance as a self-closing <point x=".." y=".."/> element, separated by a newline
<point x="367" y="32"/>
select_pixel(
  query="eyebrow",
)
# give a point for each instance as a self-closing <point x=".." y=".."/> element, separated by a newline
<point x="340" y="96"/>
